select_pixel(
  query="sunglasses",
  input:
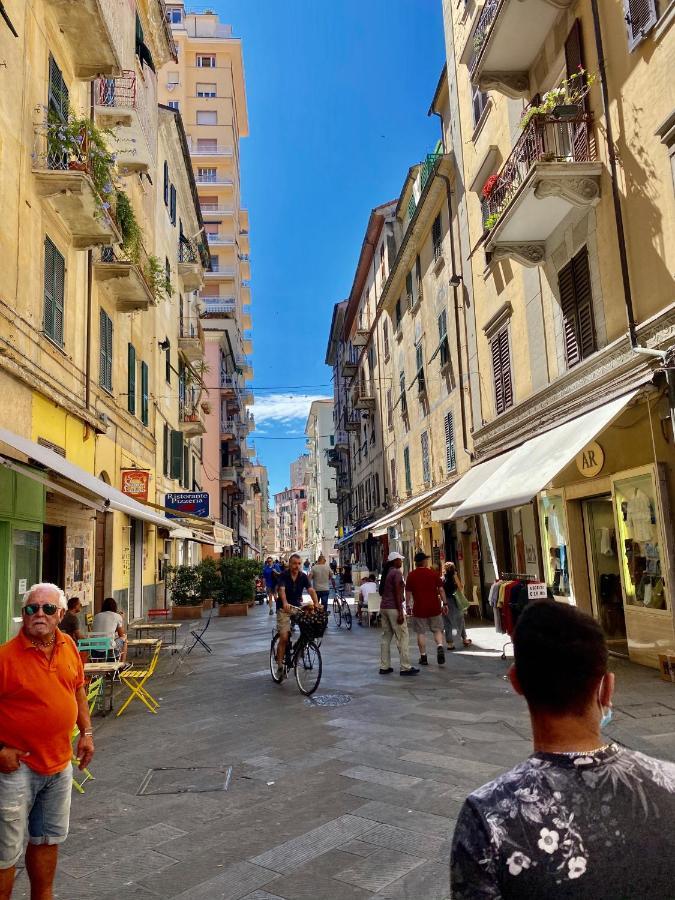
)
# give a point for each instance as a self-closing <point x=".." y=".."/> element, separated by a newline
<point x="31" y="609"/>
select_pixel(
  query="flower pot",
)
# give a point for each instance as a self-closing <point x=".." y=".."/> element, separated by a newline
<point x="207" y="604"/>
<point x="76" y="166"/>
<point x="233" y="609"/>
<point x="186" y="612"/>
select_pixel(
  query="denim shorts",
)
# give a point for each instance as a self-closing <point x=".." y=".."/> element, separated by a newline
<point x="37" y="803"/>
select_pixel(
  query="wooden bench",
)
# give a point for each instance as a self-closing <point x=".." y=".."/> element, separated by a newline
<point x="158" y="614"/>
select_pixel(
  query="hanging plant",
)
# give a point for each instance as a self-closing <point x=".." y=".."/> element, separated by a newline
<point x="160" y="285"/>
<point x="129" y="227"/>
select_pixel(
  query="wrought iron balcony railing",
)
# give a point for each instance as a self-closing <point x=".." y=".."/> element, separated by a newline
<point x="487" y="16"/>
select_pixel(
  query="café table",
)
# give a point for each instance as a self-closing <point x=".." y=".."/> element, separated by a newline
<point x="108" y="670"/>
<point x="151" y="628"/>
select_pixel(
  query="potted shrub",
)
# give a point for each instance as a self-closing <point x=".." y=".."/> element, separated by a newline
<point x="210" y="582"/>
<point x="238" y="585"/>
<point x="184" y="584"/>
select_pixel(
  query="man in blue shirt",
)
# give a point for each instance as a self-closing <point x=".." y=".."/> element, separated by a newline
<point x="290" y="588"/>
<point x="268" y="576"/>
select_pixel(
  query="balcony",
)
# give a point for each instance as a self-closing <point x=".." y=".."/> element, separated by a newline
<point x="220" y="240"/>
<point x="333" y="458"/>
<point x="191" y="339"/>
<point x="225" y="307"/>
<point x="353" y="421"/>
<point x="365" y="399"/>
<point x="128" y="105"/>
<point x="228" y="429"/>
<point x="426" y="170"/>
<point x="192" y="422"/>
<point x="361" y="337"/>
<point x="64" y="175"/>
<point x="203" y="152"/>
<point x="246" y="320"/>
<point x="190" y="265"/>
<point x="248" y="398"/>
<point x="349" y="368"/>
<point x="210" y="209"/>
<point x="507" y="39"/>
<point x="96" y="32"/>
<point x="229" y="474"/>
<point x="551" y="171"/>
<point x="214" y="179"/>
<point x="126" y="279"/>
<point x="341" y="440"/>
<point x="220" y="272"/>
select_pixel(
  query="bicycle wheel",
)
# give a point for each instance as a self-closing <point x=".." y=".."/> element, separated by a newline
<point x="308" y="667"/>
<point x="273" y="660"/>
<point x="337" y="613"/>
<point x="347" y="615"/>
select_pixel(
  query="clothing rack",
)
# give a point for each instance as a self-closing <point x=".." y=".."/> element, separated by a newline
<point x="515" y="576"/>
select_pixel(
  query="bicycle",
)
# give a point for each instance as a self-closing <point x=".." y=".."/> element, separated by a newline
<point x="341" y="610"/>
<point x="303" y="655"/>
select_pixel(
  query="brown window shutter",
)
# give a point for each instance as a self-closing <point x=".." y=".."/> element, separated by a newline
<point x="506" y="368"/>
<point x="568" y="305"/>
<point x="574" y="54"/>
<point x="584" y="299"/>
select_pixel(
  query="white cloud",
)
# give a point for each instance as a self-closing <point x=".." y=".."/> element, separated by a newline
<point x="283" y="408"/>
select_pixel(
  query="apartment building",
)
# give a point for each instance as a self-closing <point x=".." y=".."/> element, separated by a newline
<point x="320" y="481"/>
<point x="338" y="457"/>
<point x="206" y="84"/>
<point x="290" y="506"/>
<point x="95" y="428"/>
<point x="567" y="243"/>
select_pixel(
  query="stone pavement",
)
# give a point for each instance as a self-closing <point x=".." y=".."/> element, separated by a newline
<point x="349" y="802"/>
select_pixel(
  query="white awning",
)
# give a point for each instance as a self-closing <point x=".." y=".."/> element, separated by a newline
<point x="379" y="527"/>
<point x="462" y="489"/>
<point x="81" y="479"/>
<point x="530" y="467"/>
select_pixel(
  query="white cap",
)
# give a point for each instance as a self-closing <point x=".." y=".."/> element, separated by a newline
<point x="394" y="555"/>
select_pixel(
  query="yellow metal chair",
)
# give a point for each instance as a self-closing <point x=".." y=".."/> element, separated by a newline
<point x="136" y="679"/>
<point x="93" y="693"/>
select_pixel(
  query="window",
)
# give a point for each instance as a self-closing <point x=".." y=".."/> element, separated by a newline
<point x="450" y="454"/>
<point x="406" y="468"/>
<point x="176" y="453"/>
<point x="144" y="394"/>
<point x="167" y="365"/>
<point x="167" y="273"/>
<point x="376" y="490"/>
<point x="443" y="346"/>
<point x="207" y="145"/>
<point x="501" y="371"/>
<point x="207" y="174"/>
<point x="206" y="61"/>
<point x="172" y="204"/>
<point x="371" y="359"/>
<point x="142" y="49"/>
<point x="418" y="278"/>
<point x="426" y="466"/>
<point x="382" y="260"/>
<point x="131" y="379"/>
<point x="185" y="481"/>
<point x="55" y="273"/>
<point x="479" y="100"/>
<point x="207" y="117"/>
<point x="206" y="90"/>
<point x="105" y="350"/>
<point x="166" y="183"/>
<point x="402" y="397"/>
<point x="437" y="236"/>
<point x="641" y="16"/>
<point x="214" y="262"/>
<point x="165" y="449"/>
<point x="174" y="15"/>
<point x="173" y="104"/>
<point x="390" y="410"/>
<point x="208" y="203"/>
<point x="576" y="303"/>
<point x="408" y="288"/>
<point x="385" y="338"/>
<point x="58" y="97"/>
<point x="419" y="364"/>
<point x="172" y="80"/>
<point x="397" y="314"/>
<point x="392" y="470"/>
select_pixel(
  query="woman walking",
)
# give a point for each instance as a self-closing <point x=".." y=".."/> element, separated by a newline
<point x="453" y="619"/>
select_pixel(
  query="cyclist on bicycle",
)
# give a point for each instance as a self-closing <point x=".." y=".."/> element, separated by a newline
<point x="290" y="587"/>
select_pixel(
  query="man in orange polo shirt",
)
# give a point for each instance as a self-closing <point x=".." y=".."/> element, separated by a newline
<point x="42" y="696"/>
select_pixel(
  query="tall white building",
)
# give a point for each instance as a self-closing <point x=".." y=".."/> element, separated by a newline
<point x="322" y="514"/>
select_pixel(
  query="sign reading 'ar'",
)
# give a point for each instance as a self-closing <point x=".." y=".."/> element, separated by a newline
<point x="591" y="460"/>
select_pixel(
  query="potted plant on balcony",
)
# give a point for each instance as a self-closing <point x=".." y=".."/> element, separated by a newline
<point x="184" y="584"/>
<point x="160" y="285"/>
<point x="210" y="582"/>
<point x="238" y="591"/>
<point x="563" y="102"/>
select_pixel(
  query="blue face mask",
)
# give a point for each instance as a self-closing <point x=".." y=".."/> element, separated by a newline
<point x="607" y="716"/>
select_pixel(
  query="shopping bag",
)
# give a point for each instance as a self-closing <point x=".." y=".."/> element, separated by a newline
<point x="462" y="602"/>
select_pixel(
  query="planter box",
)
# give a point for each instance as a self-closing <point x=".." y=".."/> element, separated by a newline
<point x="233" y="609"/>
<point x="186" y="612"/>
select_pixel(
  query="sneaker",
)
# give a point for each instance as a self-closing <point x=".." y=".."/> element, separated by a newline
<point x="423" y="660"/>
<point x="386" y="671"/>
<point x="440" y="655"/>
<point x="411" y="671"/>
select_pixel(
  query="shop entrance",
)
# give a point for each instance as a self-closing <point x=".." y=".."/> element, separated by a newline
<point x="136" y="569"/>
<point x="54" y="554"/>
<point x="604" y="571"/>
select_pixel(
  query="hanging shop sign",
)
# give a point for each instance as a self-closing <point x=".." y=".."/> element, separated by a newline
<point x="591" y="460"/>
<point x="187" y="503"/>
<point x="135" y="483"/>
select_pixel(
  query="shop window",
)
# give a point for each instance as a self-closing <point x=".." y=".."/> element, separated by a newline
<point x="54" y="284"/>
<point x="501" y="371"/>
<point x="639" y="542"/>
<point x="105" y="350"/>
<point x="556" y="545"/>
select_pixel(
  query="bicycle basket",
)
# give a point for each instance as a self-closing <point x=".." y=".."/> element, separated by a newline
<point x="313" y="623"/>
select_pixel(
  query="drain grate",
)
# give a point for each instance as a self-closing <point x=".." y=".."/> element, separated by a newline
<point x="185" y="780"/>
<point x="336" y="699"/>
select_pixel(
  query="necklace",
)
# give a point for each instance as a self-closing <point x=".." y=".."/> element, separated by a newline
<point x="44" y="643"/>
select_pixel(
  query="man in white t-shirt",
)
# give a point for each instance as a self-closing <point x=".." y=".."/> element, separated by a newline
<point x="368" y="586"/>
<point x="111" y="623"/>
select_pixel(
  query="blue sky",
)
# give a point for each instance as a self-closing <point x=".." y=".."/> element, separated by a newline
<point x="338" y="95"/>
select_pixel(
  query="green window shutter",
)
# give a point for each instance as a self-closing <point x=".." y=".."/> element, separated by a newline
<point x="48" y="317"/>
<point x="131" y="379"/>
<point x="144" y="393"/>
<point x="105" y="350"/>
<point x="406" y="466"/>
<point x="186" y="466"/>
<point x="165" y="450"/>
<point x="58" y="99"/>
<point x="101" y="348"/>
<point x="54" y="281"/>
<point x="176" y="454"/>
<point x="450" y="454"/>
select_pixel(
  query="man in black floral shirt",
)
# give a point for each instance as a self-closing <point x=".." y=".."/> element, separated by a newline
<point x="581" y="817"/>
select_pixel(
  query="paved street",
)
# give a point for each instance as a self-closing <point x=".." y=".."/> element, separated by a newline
<point x="324" y="803"/>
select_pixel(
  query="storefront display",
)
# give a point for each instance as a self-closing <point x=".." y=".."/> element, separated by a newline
<point x="638" y="541"/>
<point x="554" y="541"/>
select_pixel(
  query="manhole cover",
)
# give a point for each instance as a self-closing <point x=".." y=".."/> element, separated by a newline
<point x="186" y="780"/>
<point x="328" y="700"/>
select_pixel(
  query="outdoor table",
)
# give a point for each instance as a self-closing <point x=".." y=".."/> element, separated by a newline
<point x="142" y="644"/>
<point x="108" y="670"/>
<point x="154" y="627"/>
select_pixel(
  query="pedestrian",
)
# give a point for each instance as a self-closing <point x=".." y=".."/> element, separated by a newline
<point x="368" y="587"/>
<point x="42" y="697"/>
<point x="111" y="623"/>
<point x="321" y="578"/>
<point x="582" y="817"/>
<point x="453" y="618"/>
<point x="425" y="589"/>
<point x="307" y="567"/>
<point x="70" y="623"/>
<point x="393" y="617"/>
<point x="268" y="575"/>
<point x="333" y="566"/>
